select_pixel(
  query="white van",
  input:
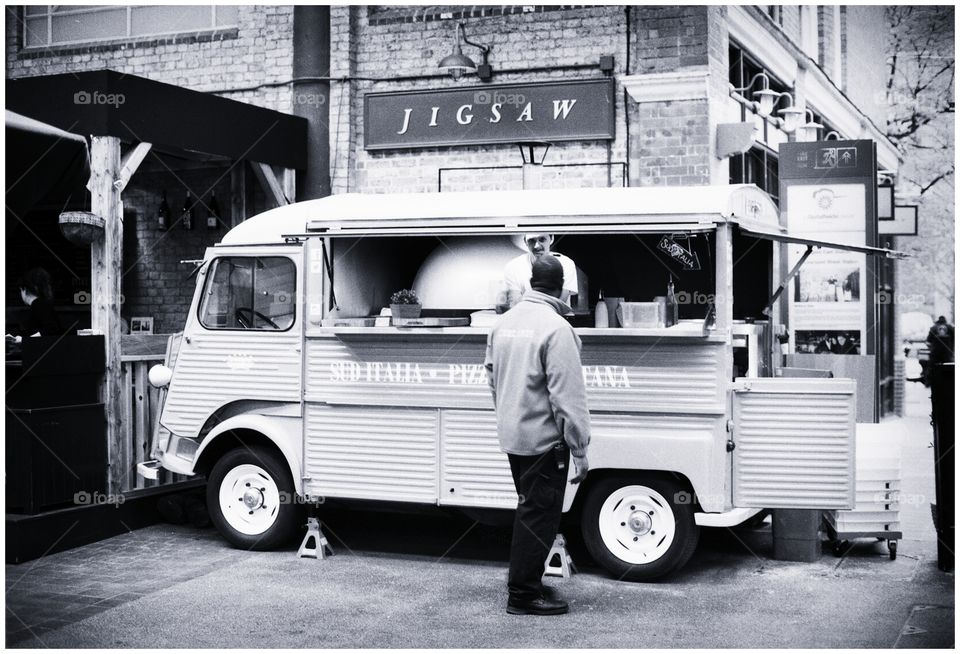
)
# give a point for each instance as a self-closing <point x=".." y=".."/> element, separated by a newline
<point x="287" y="384"/>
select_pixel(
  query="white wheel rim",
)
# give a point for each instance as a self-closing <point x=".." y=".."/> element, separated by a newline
<point x="249" y="499"/>
<point x="637" y="524"/>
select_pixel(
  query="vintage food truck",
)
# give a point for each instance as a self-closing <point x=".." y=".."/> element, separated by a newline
<point x="288" y="385"/>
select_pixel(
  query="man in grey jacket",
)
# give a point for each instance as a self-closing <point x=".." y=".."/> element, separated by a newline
<point x="533" y="366"/>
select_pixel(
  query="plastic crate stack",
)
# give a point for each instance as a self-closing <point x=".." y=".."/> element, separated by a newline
<point x="877" y="489"/>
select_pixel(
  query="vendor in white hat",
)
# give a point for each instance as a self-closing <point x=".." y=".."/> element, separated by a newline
<point x="516" y="274"/>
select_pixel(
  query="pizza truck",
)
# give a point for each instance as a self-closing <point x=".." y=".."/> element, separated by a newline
<point x="291" y="383"/>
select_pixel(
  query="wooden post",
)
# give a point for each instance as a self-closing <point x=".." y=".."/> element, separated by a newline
<point x="105" y="273"/>
<point x="724" y="291"/>
<point x="288" y="181"/>
<point x="238" y="193"/>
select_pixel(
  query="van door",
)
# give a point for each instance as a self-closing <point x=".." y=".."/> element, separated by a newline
<point x="794" y="443"/>
<point x="242" y="338"/>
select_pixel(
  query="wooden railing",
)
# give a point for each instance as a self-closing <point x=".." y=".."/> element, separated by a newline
<point x="141" y="406"/>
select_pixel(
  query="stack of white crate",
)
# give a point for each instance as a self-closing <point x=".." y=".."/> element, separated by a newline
<point x="877" y="486"/>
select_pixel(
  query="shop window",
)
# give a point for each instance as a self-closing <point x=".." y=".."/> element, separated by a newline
<point x="257" y="293"/>
<point x="757" y="166"/>
<point x="50" y="25"/>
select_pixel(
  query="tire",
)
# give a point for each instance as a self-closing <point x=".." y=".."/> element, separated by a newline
<point x="250" y="496"/>
<point x="640" y="528"/>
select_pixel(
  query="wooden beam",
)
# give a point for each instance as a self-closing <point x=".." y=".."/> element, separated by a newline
<point x="131" y="161"/>
<point x="271" y="185"/>
<point x="106" y="272"/>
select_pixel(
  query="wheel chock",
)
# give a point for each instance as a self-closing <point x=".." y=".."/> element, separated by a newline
<point x="559" y="563"/>
<point x="321" y="547"/>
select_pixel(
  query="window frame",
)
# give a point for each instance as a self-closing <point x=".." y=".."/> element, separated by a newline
<point x="253" y="286"/>
<point x="48" y="14"/>
<point x="769" y="177"/>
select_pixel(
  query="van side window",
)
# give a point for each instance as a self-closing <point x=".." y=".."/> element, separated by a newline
<point x="256" y="293"/>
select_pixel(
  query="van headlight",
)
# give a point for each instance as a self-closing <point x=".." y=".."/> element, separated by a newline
<point x="160" y="376"/>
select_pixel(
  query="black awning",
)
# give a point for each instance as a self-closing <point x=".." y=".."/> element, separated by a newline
<point x="45" y="165"/>
<point x="136" y="109"/>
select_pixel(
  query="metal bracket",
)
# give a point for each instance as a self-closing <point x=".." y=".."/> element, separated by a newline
<point x="321" y="548"/>
<point x="565" y="567"/>
<point x="783" y="285"/>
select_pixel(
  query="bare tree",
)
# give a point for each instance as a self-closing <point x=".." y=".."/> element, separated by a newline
<point x="920" y="91"/>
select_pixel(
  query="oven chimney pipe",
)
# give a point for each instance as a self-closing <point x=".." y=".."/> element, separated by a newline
<point x="311" y="98"/>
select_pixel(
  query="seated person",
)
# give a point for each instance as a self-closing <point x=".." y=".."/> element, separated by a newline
<point x="36" y="293"/>
<point x="516" y="274"/>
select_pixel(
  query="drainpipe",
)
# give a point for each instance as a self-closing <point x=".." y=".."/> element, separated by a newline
<point x="311" y="99"/>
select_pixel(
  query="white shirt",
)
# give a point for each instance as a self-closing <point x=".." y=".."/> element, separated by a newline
<point x="516" y="274"/>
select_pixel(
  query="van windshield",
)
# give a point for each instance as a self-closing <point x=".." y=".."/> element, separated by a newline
<point x="255" y="293"/>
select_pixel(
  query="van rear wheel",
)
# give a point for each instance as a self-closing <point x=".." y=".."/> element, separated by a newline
<point x="639" y="529"/>
<point x="250" y="498"/>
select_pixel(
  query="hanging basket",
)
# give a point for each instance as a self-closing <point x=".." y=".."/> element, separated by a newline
<point x="81" y="227"/>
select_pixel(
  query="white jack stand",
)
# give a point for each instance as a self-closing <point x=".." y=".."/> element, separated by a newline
<point x="321" y="548"/>
<point x="565" y="568"/>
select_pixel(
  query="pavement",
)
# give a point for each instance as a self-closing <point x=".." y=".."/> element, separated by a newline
<point x="438" y="580"/>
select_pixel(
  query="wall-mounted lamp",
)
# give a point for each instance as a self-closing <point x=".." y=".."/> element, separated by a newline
<point x="533" y="152"/>
<point x="809" y="130"/>
<point x="459" y="64"/>
<point x="767" y="100"/>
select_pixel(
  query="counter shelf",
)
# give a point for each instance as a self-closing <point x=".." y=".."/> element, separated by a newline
<point x="687" y="329"/>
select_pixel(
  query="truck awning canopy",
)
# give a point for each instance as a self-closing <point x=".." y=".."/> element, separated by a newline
<point x="760" y="230"/>
<point x="695" y="208"/>
<point x="561" y="211"/>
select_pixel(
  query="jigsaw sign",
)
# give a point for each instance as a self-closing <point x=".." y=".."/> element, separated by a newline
<point x="687" y="258"/>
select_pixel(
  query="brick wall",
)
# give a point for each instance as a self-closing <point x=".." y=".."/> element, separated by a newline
<point x="259" y="50"/>
<point x="670" y="141"/>
<point x="411" y="44"/>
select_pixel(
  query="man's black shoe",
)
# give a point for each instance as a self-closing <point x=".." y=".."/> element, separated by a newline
<point x="538" y="606"/>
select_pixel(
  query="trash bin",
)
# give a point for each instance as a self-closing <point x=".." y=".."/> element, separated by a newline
<point x="942" y="398"/>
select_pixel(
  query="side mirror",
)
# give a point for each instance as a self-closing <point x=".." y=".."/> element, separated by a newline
<point x="160" y="376"/>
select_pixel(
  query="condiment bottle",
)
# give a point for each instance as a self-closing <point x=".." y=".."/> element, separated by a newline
<point x="601" y="317"/>
<point x="672" y="313"/>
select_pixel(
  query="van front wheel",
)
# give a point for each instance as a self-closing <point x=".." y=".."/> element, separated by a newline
<point x="250" y="498"/>
<point x="639" y="529"/>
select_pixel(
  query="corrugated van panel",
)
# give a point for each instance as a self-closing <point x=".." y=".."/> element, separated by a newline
<point x="371" y="453"/>
<point x="447" y="371"/>
<point x="220" y="367"/>
<point x="474" y="472"/>
<point x="795" y="444"/>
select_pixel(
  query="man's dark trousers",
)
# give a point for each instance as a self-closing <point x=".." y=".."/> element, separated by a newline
<point x="540" y="483"/>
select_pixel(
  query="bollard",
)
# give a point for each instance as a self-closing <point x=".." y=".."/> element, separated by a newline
<point x="796" y="534"/>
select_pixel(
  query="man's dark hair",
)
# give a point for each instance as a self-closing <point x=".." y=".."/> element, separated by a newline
<point x="546" y="274"/>
<point x="941" y="320"/>
<point x="36" y="281"/>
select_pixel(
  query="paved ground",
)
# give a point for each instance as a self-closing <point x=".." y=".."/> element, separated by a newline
<point x="437" y="581"/>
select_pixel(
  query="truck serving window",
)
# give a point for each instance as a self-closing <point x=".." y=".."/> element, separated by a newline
<point x="256" y="293"/>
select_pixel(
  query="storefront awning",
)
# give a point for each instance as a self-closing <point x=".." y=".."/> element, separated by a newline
<point x="140" y="110"/>
<point x="45" y="164"/>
